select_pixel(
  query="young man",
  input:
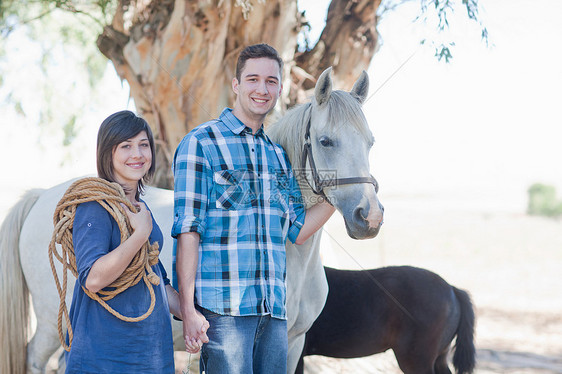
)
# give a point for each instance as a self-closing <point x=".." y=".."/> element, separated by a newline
<point x="236" y="202"/>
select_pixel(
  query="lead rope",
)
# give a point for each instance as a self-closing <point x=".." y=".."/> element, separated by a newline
<point x="110" y="196"/>
<point x="188" y="368"/>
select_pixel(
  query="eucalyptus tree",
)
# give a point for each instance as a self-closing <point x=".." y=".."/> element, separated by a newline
<point x="178" y="56"/>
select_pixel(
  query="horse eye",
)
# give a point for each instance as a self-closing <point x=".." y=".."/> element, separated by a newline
<point x="326" y="142"/>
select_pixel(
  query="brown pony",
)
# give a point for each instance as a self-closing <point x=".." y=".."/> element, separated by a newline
<point x="410" y="310"/>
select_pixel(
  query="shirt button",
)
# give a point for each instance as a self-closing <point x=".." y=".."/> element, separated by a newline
<point x="252" y="149"/>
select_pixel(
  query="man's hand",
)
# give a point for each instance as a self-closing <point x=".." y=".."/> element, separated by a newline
<point x="195" y="328"/>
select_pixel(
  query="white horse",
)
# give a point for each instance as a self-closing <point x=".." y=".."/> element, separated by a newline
<point x="328" y="142"/>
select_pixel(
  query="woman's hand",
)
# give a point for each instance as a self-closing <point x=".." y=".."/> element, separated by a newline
<point x="141" y="221"/>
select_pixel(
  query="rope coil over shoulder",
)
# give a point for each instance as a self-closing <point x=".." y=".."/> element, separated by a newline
<point x="110" y="196"/>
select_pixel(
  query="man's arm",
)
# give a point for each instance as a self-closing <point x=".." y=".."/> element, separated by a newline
<point x="316" y="216"/>
<point x="194" y="324"/>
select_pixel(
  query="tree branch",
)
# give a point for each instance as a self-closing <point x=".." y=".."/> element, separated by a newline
<point x="348" y="42"/>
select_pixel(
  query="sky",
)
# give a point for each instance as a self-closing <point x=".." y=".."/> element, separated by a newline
<point x="483" y="128"/>
<point x="478" y="131"/>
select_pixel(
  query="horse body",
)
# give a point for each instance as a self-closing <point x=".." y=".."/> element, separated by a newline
<point x="335" y="116"/>
<point x="410" y="310"/>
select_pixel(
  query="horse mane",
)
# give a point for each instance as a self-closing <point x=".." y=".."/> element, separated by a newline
<point x="289" y="130"/>
<point x="343" y="110"/>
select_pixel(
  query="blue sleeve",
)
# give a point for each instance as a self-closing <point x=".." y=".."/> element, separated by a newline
<point x="164" y="274"/>
<point x="191" y="184"/>
<point x="91" y="237"/>
<point x="296" y="205"/>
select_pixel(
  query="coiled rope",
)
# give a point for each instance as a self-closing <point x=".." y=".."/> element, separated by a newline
<point x="110" y="196"/>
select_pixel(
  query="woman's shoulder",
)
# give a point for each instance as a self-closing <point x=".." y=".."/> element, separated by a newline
<point x="91" y="207"/>
<point x="92" y="210"/>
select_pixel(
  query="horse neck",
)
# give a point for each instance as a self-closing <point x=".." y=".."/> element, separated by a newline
<point x="304" y="256"/>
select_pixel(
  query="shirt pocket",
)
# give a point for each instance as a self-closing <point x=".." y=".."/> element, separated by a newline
<point x="233" y="189"/>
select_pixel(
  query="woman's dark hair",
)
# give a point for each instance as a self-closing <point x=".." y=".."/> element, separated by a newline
<point x="114" y="130"/>
<point x="257" y="51"/>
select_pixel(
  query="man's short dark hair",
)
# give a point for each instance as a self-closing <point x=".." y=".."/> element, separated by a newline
<point x="257" y="51"/>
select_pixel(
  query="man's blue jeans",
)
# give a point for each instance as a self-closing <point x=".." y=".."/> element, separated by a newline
<point x="244" y="345"/>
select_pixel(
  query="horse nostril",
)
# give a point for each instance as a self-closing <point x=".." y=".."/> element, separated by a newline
<point x="359" y="214"/>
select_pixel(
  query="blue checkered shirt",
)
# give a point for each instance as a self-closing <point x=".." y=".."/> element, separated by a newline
<point x="237" y="190"/>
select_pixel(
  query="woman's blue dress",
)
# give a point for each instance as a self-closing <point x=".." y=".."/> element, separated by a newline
<point x="102" y="343"/>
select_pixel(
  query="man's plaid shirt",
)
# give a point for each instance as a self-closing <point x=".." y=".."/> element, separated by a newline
<point x="237" y="190"/>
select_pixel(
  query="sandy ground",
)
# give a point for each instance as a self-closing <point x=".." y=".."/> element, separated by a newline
<point x="509" y="262"/>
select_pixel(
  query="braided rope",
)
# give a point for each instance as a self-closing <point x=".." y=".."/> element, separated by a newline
<point x="110" y="196"/>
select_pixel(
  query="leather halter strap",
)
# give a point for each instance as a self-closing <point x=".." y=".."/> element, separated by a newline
<point x="318" y="184"/>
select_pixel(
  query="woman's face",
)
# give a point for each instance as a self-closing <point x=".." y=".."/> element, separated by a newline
<point x="131" y="160"/>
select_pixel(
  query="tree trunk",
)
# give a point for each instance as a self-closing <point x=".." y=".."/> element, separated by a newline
<point x="179" y="57"/>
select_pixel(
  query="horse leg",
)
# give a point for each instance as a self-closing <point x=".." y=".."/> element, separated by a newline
<point x="44" y="343"/>
<point x="441" y="365"/>
<point x="296" y="344"/>
<point x="300" y="366"/>
<point x="413" y="361"/>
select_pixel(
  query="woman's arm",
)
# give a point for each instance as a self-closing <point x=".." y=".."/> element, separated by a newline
<point x="173" y="301"/>
<point x="110" y="266"/>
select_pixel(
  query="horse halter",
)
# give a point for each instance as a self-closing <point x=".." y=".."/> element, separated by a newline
<point x="318" y="184"/>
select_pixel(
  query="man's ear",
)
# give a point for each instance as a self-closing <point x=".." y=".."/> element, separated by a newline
<point x="235" y="85"/>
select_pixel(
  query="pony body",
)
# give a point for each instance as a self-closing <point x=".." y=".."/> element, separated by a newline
<point x="410" y="310"/>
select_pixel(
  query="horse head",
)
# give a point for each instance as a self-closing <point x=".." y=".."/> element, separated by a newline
<point x="329" y="151"/>
<point x="340" y="141"/>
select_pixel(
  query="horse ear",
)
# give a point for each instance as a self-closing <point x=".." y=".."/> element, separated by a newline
<point x="361" y="87"/>
<point x="323" y="88"/>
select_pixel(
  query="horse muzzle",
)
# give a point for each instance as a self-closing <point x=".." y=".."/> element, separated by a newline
<point x="364" y="222"/>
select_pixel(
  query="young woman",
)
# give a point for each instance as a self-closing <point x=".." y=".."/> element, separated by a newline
<point x="102" y="343"/>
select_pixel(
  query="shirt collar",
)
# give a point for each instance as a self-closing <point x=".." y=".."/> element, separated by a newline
<point x="235" y="125"/>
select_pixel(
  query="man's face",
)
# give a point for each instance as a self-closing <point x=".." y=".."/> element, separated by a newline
<point x="258" y="89"/>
